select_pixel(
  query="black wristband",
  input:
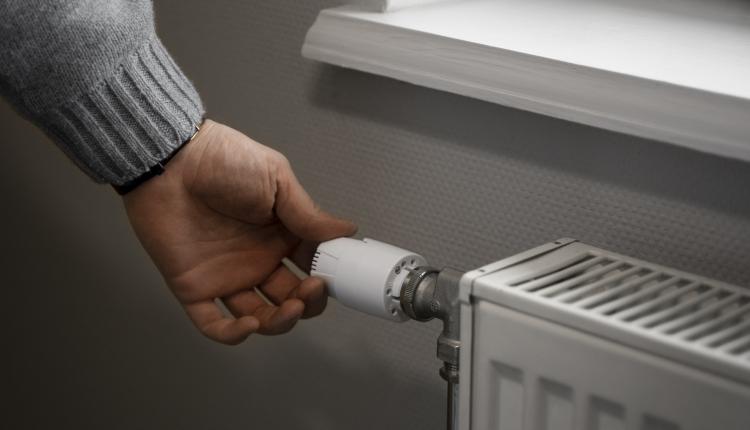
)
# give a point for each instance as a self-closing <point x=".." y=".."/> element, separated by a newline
<point x="156" y="170"/>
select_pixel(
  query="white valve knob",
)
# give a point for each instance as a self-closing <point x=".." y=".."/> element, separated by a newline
<point x="365" y="275"/>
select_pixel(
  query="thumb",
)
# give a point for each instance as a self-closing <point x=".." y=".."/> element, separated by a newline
<point x="302" y="216"/>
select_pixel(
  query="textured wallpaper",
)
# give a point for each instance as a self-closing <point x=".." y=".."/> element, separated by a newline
<point x="94" y="340"/>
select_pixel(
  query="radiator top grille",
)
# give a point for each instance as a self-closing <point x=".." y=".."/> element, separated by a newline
<point x="655" y="307"/>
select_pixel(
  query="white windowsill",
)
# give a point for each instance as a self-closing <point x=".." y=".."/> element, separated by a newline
<point x="676" y="71"/>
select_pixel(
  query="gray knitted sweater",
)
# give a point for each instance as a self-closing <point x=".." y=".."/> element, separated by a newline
<point x="95" y="77"/>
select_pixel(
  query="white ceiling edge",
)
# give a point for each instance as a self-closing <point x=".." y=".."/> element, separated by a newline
<point x="686" y="95"/>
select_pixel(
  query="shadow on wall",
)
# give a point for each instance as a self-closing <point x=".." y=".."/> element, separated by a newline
<point x="630" y="162"/>
<point x="336" y="404"/>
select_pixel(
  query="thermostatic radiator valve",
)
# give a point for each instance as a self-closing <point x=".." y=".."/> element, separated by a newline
<point x="366" y="275"/>
<point x="395" y="284"/>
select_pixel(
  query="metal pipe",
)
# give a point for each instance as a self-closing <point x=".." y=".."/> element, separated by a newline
<point x="452" y="405"/>
<point x="429" y="293"/>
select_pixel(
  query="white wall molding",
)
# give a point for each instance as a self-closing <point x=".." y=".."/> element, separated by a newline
<point x="680" y="76"/>
<point x="392" y="5"/>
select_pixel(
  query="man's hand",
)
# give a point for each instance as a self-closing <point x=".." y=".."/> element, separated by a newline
<point x="217" y="224"/>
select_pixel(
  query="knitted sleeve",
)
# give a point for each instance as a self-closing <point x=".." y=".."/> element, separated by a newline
<point x="96" y="78"/>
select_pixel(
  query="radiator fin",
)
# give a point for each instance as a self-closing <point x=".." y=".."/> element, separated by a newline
<point x="704" y="316"/>
<point x="557" y="404"/>
<point x="605" y="415"/>
<point x="524" y="401"/>
<point x="509" y="396"/>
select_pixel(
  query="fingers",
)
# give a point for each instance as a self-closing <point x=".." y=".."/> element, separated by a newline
<point x="291" y="299"/>
<point x="280" y="285"/>
<point x="303" y="254"/>
<point x="279" y="320"/>
<point x="233" y="270"/>
<point x="209" y="319"/>
<point x="312" y="292"/>
<point x="283" y="285"/>
<point x="302" y="216"/>
<point x="273" y="319"/>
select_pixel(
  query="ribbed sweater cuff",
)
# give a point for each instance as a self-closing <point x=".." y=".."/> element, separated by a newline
<point x="131" y="120"/>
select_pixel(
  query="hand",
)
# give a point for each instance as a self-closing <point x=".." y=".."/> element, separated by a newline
<point x="217" y="224"/>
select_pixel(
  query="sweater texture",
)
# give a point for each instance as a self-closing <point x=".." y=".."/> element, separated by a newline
<point x="95" y="77"/>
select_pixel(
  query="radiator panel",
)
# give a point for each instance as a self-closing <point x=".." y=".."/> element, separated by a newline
<point x="532" y="374"/>
<point x="678" y="315"/>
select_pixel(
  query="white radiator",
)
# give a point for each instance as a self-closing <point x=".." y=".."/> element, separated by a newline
<point x="568" y="336"/>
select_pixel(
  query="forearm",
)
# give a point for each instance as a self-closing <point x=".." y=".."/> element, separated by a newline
<point x="96" y="78"/>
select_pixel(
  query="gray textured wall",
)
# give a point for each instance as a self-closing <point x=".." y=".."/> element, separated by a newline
<point x="91" y="338"/>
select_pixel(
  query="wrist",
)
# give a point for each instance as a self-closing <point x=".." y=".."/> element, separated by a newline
<point x="157" y="169"/>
